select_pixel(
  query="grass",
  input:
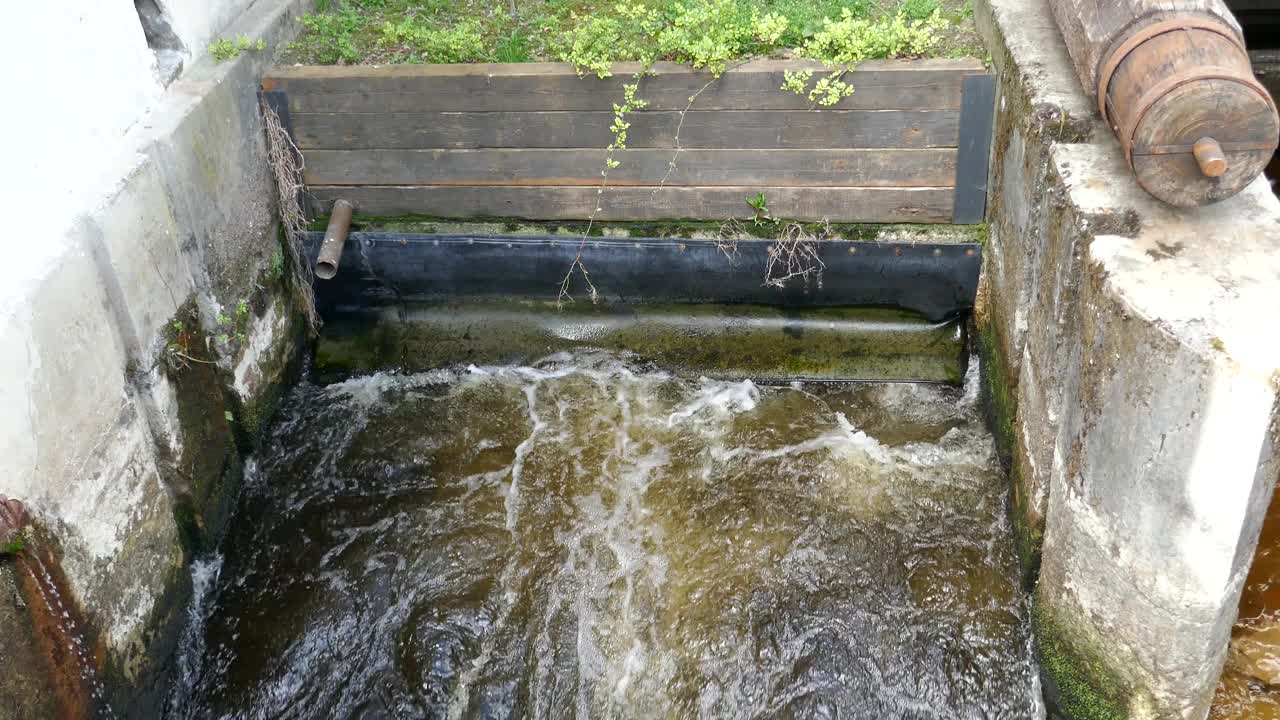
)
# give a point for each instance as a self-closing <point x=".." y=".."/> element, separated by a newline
<point x="350" y="32"/>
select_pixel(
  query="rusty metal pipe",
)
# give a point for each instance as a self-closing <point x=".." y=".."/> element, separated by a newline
<point x="335" y="236"/>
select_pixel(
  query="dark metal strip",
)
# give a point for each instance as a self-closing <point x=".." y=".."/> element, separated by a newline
<point x="977" y="119"/>
<point x="937" y="280"/>
<point x="278" y="101"/>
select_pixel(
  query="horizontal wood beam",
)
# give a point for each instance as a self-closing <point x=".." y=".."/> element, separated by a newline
<point x="811" y="168"/>
<point x="837" y="204"/>
<point x="788" y="129"/>
<point x="756" y="85"/>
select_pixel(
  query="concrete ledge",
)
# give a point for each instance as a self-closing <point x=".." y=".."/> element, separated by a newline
<point x="1139" y="369"/>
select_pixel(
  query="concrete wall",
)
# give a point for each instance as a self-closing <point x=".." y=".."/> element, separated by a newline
<point x="137" y="205"/>
<point x="1133" y="364"/>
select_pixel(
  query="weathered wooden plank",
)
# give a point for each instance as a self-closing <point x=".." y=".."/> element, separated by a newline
<point x="783" y="129"/>
<point x="813" y="168"/>
<point x="842" y="204"/>
<point x="701" y="129"/>
<point x="756" y="85"/>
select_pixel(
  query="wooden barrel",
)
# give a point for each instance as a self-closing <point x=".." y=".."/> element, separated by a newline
<point x="1173" y="80"/>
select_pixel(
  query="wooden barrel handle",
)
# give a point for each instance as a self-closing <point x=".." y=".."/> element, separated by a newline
<point x="1209" y="155"/>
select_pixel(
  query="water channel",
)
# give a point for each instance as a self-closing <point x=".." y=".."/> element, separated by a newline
<point x="590" y="536"/>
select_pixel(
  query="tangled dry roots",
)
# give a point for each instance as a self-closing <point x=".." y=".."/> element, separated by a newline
<point x="794" y="255"/>
<point x="286" y="166"/>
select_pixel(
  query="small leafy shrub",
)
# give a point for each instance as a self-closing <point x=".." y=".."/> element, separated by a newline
<point x="226" y="49"/>
<point x="919" y="9"/>
<point x="421" y="41"/>
<point x="615" y="33"/>
<point x="330" y="38"/>
<point x="804" y="17"/>
<point x="710" y="33"/>
<point x="844" y="43"/>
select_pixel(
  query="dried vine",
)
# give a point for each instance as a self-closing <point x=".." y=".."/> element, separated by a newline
<point x="286" y="165"/>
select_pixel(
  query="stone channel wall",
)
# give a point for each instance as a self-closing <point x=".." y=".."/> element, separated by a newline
<point x="1131" y="357"/>
<point x="144" y="320"/>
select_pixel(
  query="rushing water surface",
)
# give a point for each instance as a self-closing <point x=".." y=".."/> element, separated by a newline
<point x="1250" y="686"/>
<point x="589" y="538"/>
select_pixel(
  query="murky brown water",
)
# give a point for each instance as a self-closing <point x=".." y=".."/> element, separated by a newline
<point x="588" y="538"/>
<point x="1250" y="686"/>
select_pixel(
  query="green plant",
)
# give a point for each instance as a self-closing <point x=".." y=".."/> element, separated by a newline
<point x="330" y="38"/>
<point x="420" y="41"/>
<point x="512" y="48"/>
<point x="619" y="127"/>
<point x="225" y="49"/>
<point x="844" y="43"/>
<point x="14" y="546"/>
<point x="710" y="33"/>
<point x="614" y="33"/>
<point x="919" y="9"/>
<point x="276" y="272"/>
<point x="760" y="204"/>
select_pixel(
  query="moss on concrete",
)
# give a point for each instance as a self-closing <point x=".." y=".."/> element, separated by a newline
<point x="1000" y="406"/>
<point x="208" y="446"/>
<point x="688" y="229"/>
<point x="725" y="341"/>
<point x="1078" y="684"/>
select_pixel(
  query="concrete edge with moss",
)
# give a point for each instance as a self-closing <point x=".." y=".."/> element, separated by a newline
<point x="1129" y="370"/>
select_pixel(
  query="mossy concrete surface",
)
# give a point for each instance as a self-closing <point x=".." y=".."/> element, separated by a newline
<point x="1129" y="362"/>
<point x="736" y="341"/>
<point x="1079" y="683"/>
<point x="742" y="229"/>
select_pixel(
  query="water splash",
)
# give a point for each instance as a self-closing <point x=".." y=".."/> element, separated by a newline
<point x="586" y="538"/>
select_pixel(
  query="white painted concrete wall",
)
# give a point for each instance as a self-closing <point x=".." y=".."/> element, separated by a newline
<point x="81" y="76"/>
<point x="124" y="199"/>
<point x="199" y="22"/>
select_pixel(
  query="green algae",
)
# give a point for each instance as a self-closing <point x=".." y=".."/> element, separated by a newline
<point x="1078" y="682"/>
<point x="686" y="229"/>
<point x="1000" y="407"/>
<point x="716" y="340"/>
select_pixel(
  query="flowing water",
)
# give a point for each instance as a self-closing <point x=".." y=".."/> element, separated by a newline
<point x="1250" y="685"/>
<point x="587" y="537"/>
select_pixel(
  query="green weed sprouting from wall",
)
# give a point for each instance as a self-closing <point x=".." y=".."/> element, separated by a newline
<point x="226" y="48"/>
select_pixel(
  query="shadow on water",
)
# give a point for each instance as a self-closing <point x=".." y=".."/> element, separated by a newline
<point x="589" y="538"/>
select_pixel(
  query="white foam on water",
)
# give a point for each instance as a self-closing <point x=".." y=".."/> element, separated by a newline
<point x="205" y="572"/>
<point x="720" y="399"/>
